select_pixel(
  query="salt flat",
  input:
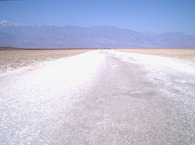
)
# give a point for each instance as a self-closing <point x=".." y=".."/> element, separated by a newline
<point x="99" y="97"/>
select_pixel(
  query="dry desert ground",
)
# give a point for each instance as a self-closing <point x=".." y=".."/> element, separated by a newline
<point x="12" y="59"/>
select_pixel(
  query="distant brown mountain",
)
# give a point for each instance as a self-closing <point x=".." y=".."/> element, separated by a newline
<point x="50" y="36"/>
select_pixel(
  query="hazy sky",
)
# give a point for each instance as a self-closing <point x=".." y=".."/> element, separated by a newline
<point x="141" y="15"/>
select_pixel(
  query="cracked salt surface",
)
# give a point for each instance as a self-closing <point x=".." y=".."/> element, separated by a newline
<point x="158" y="62"/>
<point x="175" y="78"/>
<point x="33" y="99"/>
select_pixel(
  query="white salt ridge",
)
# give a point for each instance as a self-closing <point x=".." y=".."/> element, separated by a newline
<point x="33" y="97"/>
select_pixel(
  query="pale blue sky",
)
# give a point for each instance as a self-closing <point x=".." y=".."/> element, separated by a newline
<point x="140" y="15"/>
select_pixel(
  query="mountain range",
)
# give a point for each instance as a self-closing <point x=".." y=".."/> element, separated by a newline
<point x="51" y="36"/>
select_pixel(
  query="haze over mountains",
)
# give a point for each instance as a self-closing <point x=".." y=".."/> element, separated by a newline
<point x="50" y="36"/>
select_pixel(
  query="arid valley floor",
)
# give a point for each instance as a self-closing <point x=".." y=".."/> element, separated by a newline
<point x="92" y="97"/>
<point x="11" y="59"/>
